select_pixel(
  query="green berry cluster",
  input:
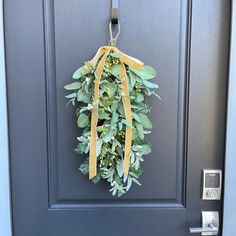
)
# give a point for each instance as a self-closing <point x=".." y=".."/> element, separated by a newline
<point x="121" y="136"/>
<point x="105" y="129"/>
<point x="105" y="158"/>
<point x="121" y="133"/>
<point x="112" y="61"/>
<point x="138" y="87"/>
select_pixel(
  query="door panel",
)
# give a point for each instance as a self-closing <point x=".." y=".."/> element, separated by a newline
<point x="45" y="42"/>
<point x="73" y="46"/>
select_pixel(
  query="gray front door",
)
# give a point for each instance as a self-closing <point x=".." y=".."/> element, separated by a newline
<point x="187" y="42"/>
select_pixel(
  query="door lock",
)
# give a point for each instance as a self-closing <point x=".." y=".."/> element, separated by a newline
<point x="212" y="184"/>
<point x="210" y="224"/>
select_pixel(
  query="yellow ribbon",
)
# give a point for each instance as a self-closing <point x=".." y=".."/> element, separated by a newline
<point x="102" y="53"/>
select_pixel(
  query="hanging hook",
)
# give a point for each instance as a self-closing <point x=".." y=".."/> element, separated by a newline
<point x="113" y="40"/>
<point x="114" y="11"/>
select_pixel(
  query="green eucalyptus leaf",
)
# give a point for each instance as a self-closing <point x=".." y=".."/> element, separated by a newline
<point x="72" y="95"/>
<point x="111" y="89"/>
<point x="120" y="126"/>
<point x="136" y="181"/>
<point x="147" y="84"/>
<point x="140" y="130"/>
<point x="114" y="192"/>
<point x="99" y="147"/>
<point x="103" y="115"/>
<point x="115" y="143"/>
<point x="146" y="149"/>
<point x="71" y="101"/>
<point x="153" y="93"/>
<point x="84" y="167"/>
<point x="136" y="117"/>
<point x="115" y="70"/>
<point x="97" y="178"/>
<point x="147" y="72"/>
<point x="131" y="173"/>
<point x="133" y="79"/>
<point x="80" y="95"/>
<point x="129" y="183"/>
<point x="85" y="87"/>
<point x="114" y="120"/>
<point x="83" y="70"/>
<point x="119" y="168"/>
<point x="145" y="121"/>
<point x="134" y="133"/>
<point x="124" y="121"/>
<point x="108" y="136"/>
<point x="83" y="120"/>
<point x="73" y="86"/>
<point x="120" y="151"/>
<point x="150" y="84"/>
<point x="142" y="149"/>
<point x="139" y="97"/>
<point x="121" y="109"/>
<point x="88" y="66"/>
<point x="81" y="148"/>
<point x="115" y="54"/>
<point x="78" y="73"/>
<point x="114" y="106"/>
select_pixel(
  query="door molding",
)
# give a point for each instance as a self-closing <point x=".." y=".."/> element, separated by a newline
<point x="229" y="215"/>
<point x="5" y="207"/>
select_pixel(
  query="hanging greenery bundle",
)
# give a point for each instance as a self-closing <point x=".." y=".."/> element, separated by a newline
<point x="110" y="94"/>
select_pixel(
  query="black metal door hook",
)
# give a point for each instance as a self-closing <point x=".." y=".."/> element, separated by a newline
<point x="114" y="11"/>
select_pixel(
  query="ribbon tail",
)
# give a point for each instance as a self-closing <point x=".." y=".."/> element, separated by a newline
<point x="128" y="116"/>
<point x="93" y="141"/>
<point x="94" y="116"/>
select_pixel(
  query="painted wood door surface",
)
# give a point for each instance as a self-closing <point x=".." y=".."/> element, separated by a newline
<point x="187" y="42"/>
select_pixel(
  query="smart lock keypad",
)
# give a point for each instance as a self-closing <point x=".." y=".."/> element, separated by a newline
<point x="212" y="181"/>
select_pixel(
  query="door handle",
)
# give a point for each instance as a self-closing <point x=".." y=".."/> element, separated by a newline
<point x="210" y="224"/>
<point x="210" y="229"/>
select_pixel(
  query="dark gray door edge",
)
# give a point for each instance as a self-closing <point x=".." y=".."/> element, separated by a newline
<point x="230" y="155"/>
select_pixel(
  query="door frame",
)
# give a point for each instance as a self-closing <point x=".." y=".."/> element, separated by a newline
<point x="229" y="214"/>
<point x="5" y="202"/>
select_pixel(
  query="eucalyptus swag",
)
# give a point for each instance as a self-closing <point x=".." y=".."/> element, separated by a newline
<point x="111" y="120"/>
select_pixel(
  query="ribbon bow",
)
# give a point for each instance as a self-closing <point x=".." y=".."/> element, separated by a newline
<point x="102" y="53"/>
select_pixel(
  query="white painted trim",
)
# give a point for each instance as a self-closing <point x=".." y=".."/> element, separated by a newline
<point x="229" y="218"/>
<point x="5" y="209"/>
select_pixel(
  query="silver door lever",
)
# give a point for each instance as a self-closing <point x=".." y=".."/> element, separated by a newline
<point x="210" y="224"/>
<point x="211" y="228"/>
